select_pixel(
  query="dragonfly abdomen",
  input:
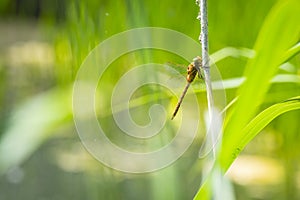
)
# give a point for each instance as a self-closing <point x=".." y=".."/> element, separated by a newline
<point x="181" y="99"/>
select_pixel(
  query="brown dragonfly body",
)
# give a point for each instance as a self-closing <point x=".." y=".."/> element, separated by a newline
<point x="191" y="74"/>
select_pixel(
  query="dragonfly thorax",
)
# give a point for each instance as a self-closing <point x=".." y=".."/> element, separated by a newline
<point x="191" y="73"/>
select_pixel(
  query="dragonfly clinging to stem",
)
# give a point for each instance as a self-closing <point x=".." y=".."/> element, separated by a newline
<point x="192" y="71"/>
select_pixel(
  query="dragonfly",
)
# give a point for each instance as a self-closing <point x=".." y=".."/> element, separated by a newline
<point x="191" y="74"/>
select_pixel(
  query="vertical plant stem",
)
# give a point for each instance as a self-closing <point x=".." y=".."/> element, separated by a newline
<point x="205" y="192"/>
<point x="203" y="38"/>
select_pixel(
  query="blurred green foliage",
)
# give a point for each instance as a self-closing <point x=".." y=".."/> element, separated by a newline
<point x="40" y="154"/>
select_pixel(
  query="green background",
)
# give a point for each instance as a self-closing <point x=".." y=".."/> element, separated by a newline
<point x="42" y="45"/>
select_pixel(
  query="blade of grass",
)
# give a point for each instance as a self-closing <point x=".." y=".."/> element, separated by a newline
<point x="290" y="53"/>
<point x="265" y="117"/>
<point x="280" y="31"/>
<point x="262" y="120"/>
<point x="31" y="124"/>
<point x="225" y="84"/>
<point x="250" y="131"/>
